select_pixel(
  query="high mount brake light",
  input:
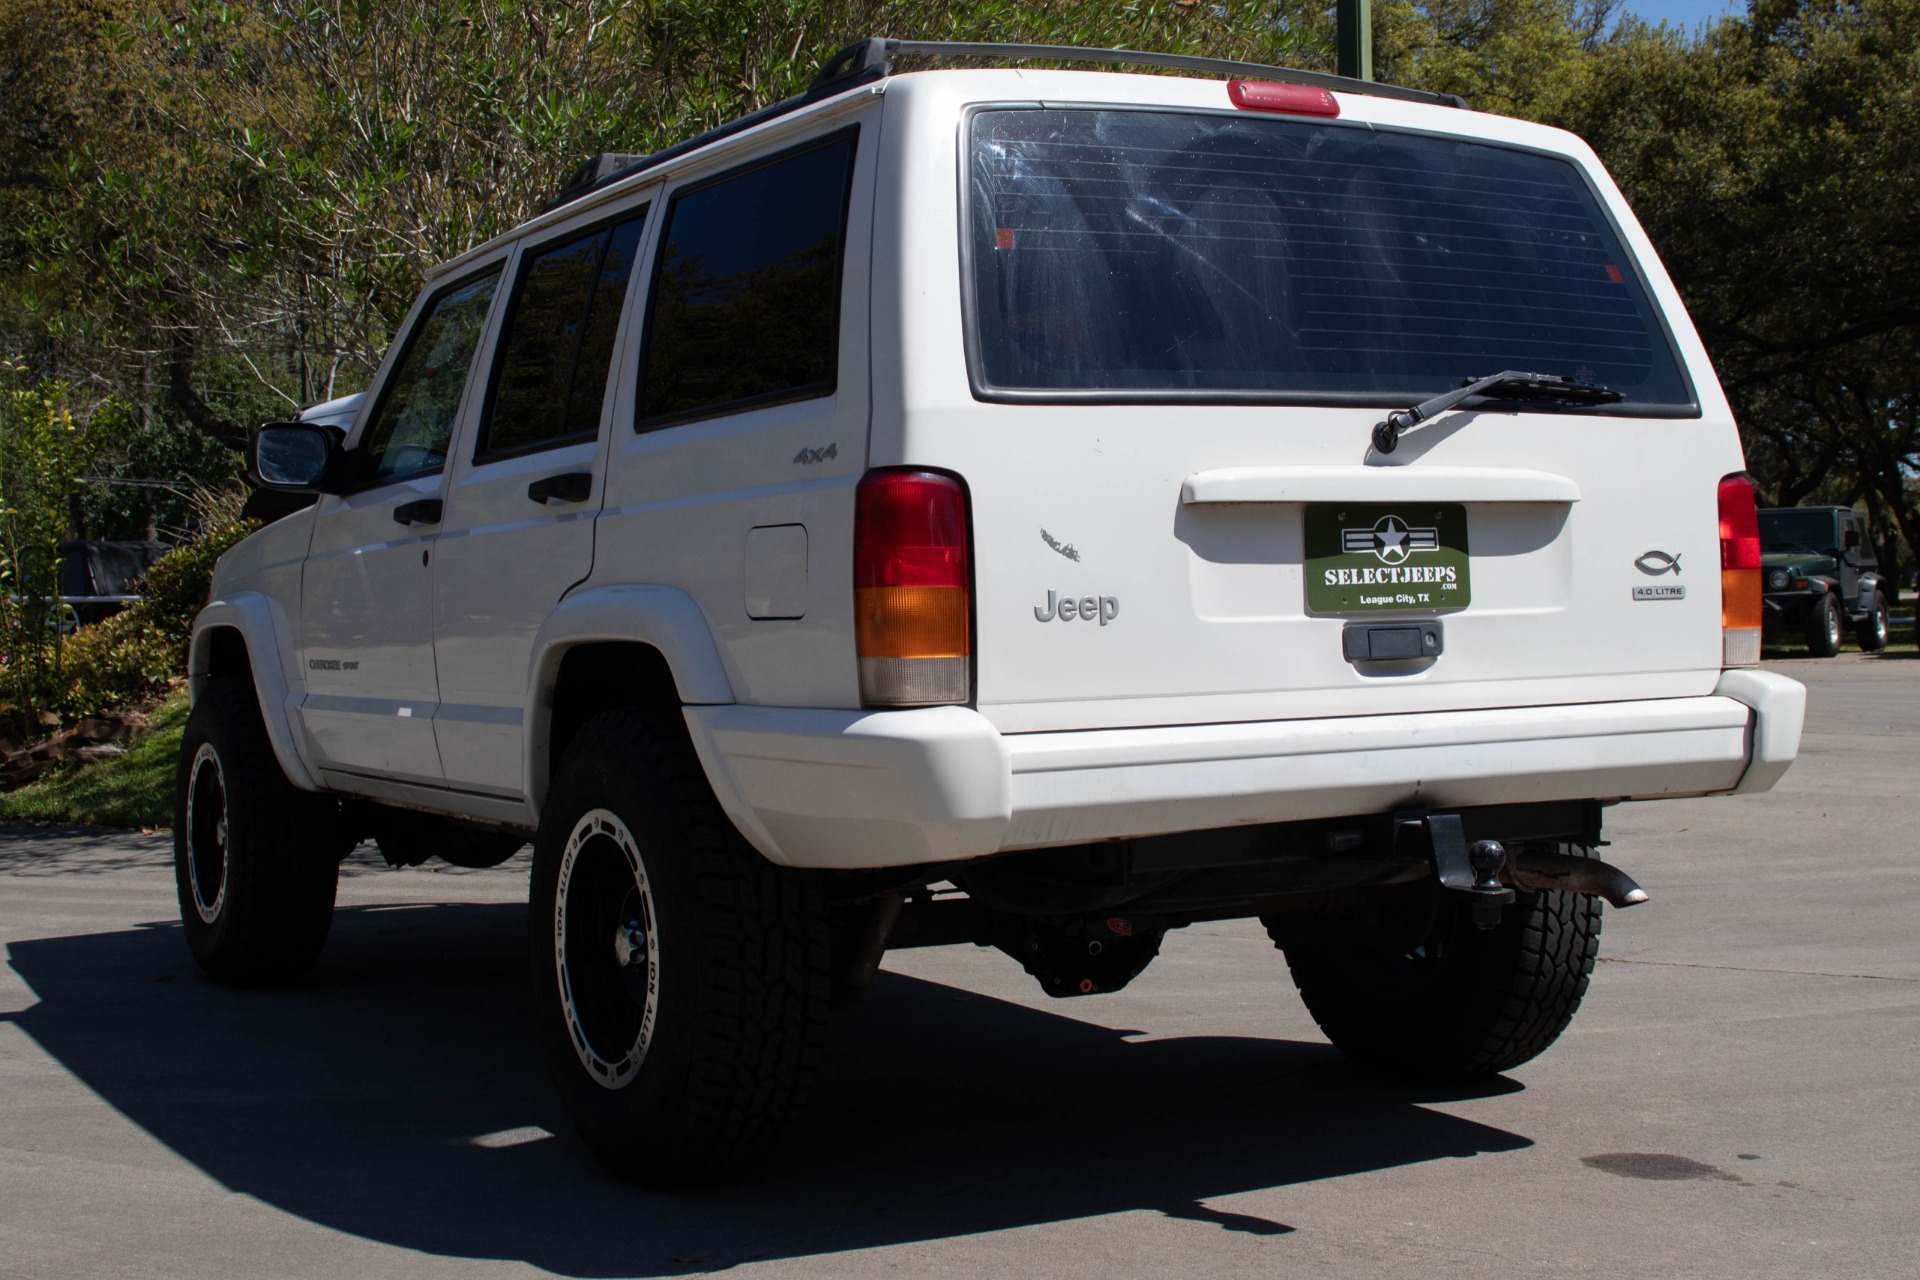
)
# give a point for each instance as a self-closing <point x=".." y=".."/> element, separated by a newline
<point x="1290" y="99"/>
<point x="912" y="589"/>
<point x="1739" y="574"/>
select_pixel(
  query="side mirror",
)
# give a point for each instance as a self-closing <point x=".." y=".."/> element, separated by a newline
<point x="1853" y="539"/>
<point x="295" y="457"/>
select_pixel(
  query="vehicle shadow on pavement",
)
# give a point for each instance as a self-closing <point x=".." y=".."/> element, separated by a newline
<point x="355" y="1102"/>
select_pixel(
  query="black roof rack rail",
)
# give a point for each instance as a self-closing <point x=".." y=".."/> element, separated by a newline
<point x="865" y="61"/>
<point x="611" y="166"/>
<point x="872" y="59"/>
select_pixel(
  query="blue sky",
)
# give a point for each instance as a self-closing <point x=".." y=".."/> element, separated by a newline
<point x="1685" y="14"/>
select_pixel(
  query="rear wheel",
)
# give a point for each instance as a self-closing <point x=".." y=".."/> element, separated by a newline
<point x="1871" y="633"/>
<point x="1413" y="988"/>
<point x="1824" y="628"/>
<point x="681" y="981"/>
<point x="255" y="859"/>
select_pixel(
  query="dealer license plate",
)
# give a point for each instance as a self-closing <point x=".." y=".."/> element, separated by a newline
<point x="1386" y="557"/>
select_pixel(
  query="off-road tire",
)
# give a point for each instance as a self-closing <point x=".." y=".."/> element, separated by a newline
<point x="1824" y="628"/>
<point x="1871" y="632"/>
<point x="256" y="860"/>
<point x="1450" y="1001"/>
<point x="728" y="1016"/>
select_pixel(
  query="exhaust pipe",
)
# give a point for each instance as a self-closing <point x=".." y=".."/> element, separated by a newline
<point x="1537" y="869"/>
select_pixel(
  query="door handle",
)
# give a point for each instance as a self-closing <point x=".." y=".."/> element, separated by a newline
<point x="569" y="486"/>
<point x="420" y="511"/>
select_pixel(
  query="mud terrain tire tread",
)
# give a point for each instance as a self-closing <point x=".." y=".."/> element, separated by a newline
<point x="718" y="1087"/>
<point x="282" y="865"/>
<point x="1498" y="999"/>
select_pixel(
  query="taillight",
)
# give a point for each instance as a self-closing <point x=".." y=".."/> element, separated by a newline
<point x="1739" y="574"/>
<point x="911" y="589"/>
<point x="1290" y="99"/>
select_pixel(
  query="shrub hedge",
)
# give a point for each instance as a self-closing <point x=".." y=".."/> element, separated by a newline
<point x="128" y="657"/>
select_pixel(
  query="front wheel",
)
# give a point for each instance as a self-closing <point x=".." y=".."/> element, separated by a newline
<point x="1412" y="987"/>
<point x="1872" y="631"/>
<point x="256" y="861"/>
<point x="1823" y="628"/>
<point x="681" y="981"/>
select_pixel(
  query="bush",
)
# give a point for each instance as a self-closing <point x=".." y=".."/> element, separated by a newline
<point x="43" y="452"/>
<point x="129" y="656"/>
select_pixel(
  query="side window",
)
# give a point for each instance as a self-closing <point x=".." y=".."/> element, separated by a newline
<point x="413" y="424"/>
<point x="745" y="304"/>
<point x="551" y="374"/>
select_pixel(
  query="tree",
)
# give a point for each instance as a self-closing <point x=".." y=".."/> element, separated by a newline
<point x="1772" y="163"/>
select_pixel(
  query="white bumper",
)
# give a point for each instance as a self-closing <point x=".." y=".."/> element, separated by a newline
<point x="898" y="788"/>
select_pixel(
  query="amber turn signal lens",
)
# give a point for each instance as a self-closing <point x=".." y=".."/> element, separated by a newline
<point x="910" y="622"/>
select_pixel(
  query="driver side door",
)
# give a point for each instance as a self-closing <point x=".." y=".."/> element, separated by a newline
<point x="366" y="619"/>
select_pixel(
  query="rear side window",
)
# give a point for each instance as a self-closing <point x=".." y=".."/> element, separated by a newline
<point x="550" y="377"/>
<point x="413" y="425"/>
<point x="745" y="304"/>
<point x="1162" y="255"/>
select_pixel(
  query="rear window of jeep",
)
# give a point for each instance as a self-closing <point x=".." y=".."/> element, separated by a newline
<point x="1177" y="255"/>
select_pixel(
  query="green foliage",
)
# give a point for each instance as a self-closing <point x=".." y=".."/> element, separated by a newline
<point x="123" y="659"/>
<point x="164" y="448"/>
<point x="216" y="209"/>
<point x="134" y="790"/>
<point x="252" y="192"/>
<point x="43" y="451"/>
<point x="1773" y="164"/>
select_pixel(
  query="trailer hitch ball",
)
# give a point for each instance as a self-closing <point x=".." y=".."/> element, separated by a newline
<point x="1487" y="858"/>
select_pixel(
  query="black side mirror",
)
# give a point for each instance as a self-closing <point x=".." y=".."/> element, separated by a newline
<point x="1853" y="539"/>
<point x="296" y="457"/>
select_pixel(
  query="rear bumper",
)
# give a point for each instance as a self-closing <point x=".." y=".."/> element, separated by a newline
<point x="851" y="789"/>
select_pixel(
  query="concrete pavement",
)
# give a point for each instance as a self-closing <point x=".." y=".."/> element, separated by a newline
<point x="1739" y="1097"/>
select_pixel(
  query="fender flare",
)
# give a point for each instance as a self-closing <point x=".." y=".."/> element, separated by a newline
<point x="259" y="621"/>
<point x="664" y="618"/>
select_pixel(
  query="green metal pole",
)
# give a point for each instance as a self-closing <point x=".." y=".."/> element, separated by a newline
<point x="1353" y="38"/>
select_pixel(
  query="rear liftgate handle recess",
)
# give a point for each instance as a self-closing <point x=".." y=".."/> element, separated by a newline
<point x="1475" y="869"/>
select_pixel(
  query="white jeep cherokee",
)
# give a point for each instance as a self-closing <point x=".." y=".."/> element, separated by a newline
<point x="1039" y="509"/>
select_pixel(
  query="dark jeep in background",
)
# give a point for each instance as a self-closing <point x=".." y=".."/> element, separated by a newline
<point x="1818" y="572"/>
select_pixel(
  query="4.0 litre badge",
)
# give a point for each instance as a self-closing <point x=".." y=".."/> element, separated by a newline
<point x="1376" y="558"/>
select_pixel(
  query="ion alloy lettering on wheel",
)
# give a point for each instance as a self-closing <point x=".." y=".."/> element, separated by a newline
<point x="606" y="950"/>
<point x="207" y="833"/>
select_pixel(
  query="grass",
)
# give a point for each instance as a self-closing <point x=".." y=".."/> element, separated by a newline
<point x="133" y="790"/>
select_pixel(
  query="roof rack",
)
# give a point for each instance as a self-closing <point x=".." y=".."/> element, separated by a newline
<point x="865" y="61"/>
<point x="872" y="59"/>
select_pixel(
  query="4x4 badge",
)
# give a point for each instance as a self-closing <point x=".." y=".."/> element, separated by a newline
<point x="1655" y="563"/>
<point x="1390" y="538"/>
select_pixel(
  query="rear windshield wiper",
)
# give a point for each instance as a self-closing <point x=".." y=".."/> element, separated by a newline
<point x="1511" y="385"/>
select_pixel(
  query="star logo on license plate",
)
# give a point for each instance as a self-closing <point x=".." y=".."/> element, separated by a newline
<point x="1391" y="539"/>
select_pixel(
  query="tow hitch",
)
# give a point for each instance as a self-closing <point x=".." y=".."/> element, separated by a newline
<point x="1477" y="869"/>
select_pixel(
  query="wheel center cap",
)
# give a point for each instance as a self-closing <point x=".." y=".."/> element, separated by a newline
<point x="630" y="944"/>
